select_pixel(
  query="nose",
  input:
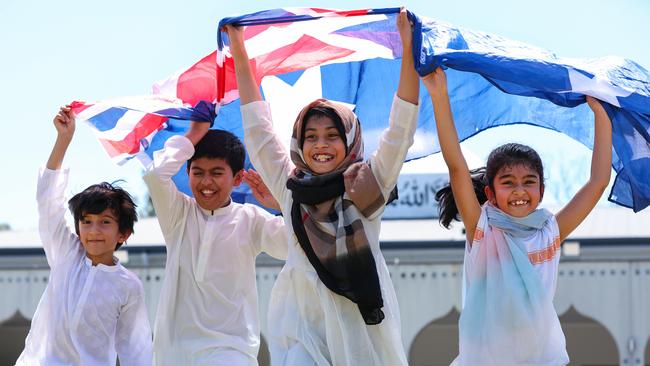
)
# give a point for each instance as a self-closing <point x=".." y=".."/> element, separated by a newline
<point x="206" y="179"/>
<point x="93" y="227"/>
<point x="321" y="142"/>
<point x="519" y="188"/>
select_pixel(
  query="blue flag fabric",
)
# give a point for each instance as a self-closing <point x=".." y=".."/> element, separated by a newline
<point x="494" y="79"/>
<point x="301" y="54"/>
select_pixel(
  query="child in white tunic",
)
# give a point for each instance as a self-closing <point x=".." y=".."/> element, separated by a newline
<point x="92" y="310"/>
<point x="207" y="314"/>
<point x="513" y="248"/>
<point x="333" y="302"/>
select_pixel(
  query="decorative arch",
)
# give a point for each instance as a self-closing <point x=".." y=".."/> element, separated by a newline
<point x="588" y="341"/>
<point x="264" y="357"/>
<point x="13" y="332"/>
<point x="437" y="342"/>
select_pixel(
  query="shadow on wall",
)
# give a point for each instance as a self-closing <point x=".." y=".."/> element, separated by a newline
<point x="263" y="357"/>
<point x="13" y="332"/>
<point x="588" y="342"/>
<point x="437" y="343"/>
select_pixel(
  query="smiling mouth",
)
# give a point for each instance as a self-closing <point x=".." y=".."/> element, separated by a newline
<point x="208" y="192"/>
<point x="519" y="203"/>
<point x="322" y="158"/>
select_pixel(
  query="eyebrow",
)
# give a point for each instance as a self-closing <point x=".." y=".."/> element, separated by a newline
<point x="212" y="169"/>
<point x="508" y="175"/>
<point x="103" y="216"/>
<point x="327" y="127"/>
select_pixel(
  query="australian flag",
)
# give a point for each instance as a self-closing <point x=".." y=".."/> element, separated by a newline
<point x="353" y="57"/>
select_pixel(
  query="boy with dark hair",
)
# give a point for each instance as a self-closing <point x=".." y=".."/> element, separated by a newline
<point x="207" y="314"/>
<point x="92" y="311"/>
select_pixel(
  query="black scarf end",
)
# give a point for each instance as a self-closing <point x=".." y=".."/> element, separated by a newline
<point x="371" y="315"/>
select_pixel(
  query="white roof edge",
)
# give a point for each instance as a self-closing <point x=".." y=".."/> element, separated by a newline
<point x="602" y="223"/>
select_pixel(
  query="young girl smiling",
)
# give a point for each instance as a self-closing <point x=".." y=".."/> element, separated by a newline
<point x="333" y="302"/>
<point x="512" y="249"/>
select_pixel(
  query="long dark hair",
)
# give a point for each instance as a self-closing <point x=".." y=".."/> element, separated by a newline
<point x="505" y="155"/>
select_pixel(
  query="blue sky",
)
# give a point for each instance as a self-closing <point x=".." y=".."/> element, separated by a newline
<point x="56" y="52"/>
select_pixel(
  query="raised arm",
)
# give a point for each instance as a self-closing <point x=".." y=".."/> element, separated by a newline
<point x="601" y="169"/>
<point x="168" y="201"/>
<point x="266" y="151"/>
<point x="249" y="91"/>
<point x="64" y="123"/>
<point x="58" y="239"/>
<point x="398" y="138"/>
<point x="408" y="88"/>
<point x="459" y="176"/>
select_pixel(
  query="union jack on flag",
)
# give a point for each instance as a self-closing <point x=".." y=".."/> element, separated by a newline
<point x="300" y="54"/>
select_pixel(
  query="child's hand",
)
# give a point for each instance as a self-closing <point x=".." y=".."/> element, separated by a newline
<point x="236" y="37"/>
<point x="64" y="122"/>
<point x="197" y="131"/>
<point x="595" y="105"/>
<point x="260" y="190"/>
<point x="405" y="28"/>
<point x="436" y="83"/>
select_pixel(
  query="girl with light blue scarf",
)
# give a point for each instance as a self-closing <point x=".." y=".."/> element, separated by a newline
<point x="512" y="248"/>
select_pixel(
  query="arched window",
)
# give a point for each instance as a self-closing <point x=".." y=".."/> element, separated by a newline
<point x="437" y="342"/>
<point x="588" y="342"/>
<point x="13" y="332"/>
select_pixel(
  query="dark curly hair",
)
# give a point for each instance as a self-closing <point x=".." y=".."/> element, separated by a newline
<point x="102" y="196"/>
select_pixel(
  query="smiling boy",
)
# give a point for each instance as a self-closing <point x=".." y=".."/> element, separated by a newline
<point x="208" y="313"/>
<point x="92" y="310"/>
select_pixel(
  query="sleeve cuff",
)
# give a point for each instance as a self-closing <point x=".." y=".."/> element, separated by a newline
<point x="403" y="112"/>
<point x="181" y="144"/>
<point x="255" y="113"/>
<point x="45" y="173"/>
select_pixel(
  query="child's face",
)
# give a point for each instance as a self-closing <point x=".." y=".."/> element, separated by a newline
<point x="323" y="148"/>
<point x="211" y="181"/>
<point x="99" y="234"/>
<point x="517" y="190"/>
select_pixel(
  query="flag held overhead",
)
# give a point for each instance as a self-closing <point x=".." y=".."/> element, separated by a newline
<point x="353" y="57"/>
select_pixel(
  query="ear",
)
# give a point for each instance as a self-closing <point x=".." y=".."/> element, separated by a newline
<point x="124" y="236"/>
<point x="237" y="179"/>
<point x="490" y="195"/>
<point x="541" y="192"/>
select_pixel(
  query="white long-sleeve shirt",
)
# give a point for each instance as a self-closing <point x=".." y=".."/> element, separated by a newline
<point x="88" y="315"/>
<point x="208" y="301"/>
<point x="309" y="324"/>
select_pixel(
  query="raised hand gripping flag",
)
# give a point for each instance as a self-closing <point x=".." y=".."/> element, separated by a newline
<point x="300" y="54"/>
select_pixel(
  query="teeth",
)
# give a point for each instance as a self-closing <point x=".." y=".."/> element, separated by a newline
<point x="322" y="157"/>
<point x="207" y="192"/>
<point x="519" y="203"/>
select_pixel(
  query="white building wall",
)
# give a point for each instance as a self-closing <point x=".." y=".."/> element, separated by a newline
<point x="615" y="294"/>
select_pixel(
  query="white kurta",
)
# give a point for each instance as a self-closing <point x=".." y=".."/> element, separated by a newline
<point x="88" y="315"/>
<point x="207" y="312"/>
<point x="308" y="323"/>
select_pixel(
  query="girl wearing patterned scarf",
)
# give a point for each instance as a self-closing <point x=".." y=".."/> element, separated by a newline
<point x="512" y="250"/>
<point x="333" y="302"/>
